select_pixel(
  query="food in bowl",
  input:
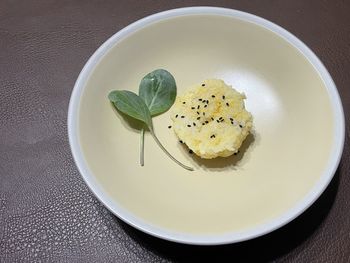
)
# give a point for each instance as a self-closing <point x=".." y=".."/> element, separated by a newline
<point x="266" y="190"/>
<point x="211" y="119"/>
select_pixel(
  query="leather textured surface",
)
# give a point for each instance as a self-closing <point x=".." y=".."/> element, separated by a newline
<point x="47" y="213"/>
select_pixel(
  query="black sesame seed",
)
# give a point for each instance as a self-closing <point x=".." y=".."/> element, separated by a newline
<point x="203" y="123"/>
<point x="198" y="107"/>
<point x="213" y="96"/>
<point x="227" y="104"/>
<point x="194" y="124"/>
<point x="206" y="121"/>
<point x="220" y="118"/>
<point x="188" y="125"/>
<point x="200" y="99"/>
<point x="192" y="108"/>
<point x="184" y="102"/>
<point x="198" y="112"/>
<point x="205" y="105"/>
<point x="203" y="85"/>
<point x="169" y="126"/>
<point x="231" y="119"/>
<point x="235" y="153"/>
<point x="212" y="118"/>
<point x="182" y="116"/>
<point x="198" y="118"/>
<point x="176" y="115"/>
<point x="223" y="97"/>
<point x="190" y="151"/>
<point x="240" y="126"/>
<point x="203" y="113"/>
<point x="207" y="101"/>
<point x="181" y="141"/>
<point x="217" y="121"/>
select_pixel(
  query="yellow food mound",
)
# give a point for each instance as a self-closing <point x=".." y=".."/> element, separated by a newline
<point x="210" y="118"/>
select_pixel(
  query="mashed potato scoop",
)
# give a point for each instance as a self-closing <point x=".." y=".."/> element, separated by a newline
<point x="211" y="119"/>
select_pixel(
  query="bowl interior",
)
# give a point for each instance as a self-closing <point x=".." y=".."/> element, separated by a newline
<point x="279" y="164"/>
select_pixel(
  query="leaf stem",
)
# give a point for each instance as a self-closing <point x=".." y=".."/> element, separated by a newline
<point x="169" y="155"/>
<point x="142" y="147"/>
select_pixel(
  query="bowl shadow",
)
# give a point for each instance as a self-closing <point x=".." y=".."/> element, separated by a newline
<point x="262" y="249"/>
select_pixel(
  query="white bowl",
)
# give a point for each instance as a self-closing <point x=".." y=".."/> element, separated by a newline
<point x="284" y="166"/>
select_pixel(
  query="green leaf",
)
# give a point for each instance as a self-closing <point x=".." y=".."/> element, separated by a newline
<point x="158" y="90"/>
<point x="132" y="105"/>
<point x="157" y="94"/>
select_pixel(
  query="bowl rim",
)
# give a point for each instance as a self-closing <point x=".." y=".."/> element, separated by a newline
<point x="218" y="239"/>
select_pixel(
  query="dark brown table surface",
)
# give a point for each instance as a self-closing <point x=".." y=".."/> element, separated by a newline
<point x="48" y="214"/>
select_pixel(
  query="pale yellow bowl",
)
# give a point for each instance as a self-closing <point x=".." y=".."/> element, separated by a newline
<point x="283" y="167"/>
